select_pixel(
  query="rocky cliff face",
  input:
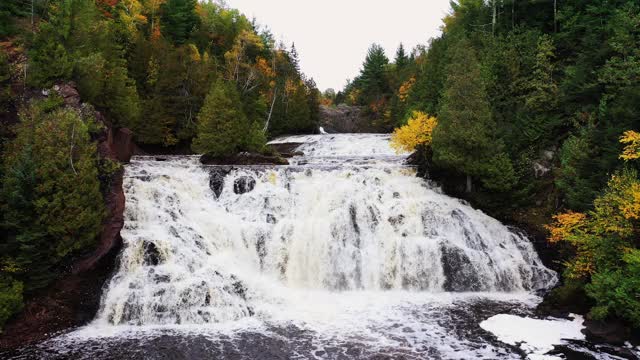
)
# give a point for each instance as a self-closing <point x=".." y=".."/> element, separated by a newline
<point x="346" y="119"/>
<point x="74" y="299"/>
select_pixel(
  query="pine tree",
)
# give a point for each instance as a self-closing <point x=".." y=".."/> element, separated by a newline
<point x="465" y="138"/>
<point x="49" y="59"/>
<point x="372" y="79"/>
<point x="293" y="54"/>
<point x="223" y="127"/>
<point x="179" y="19"/>
<point x="401" y="60"/>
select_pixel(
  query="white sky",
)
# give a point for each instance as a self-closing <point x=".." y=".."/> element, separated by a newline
<point x="332" y="36"/>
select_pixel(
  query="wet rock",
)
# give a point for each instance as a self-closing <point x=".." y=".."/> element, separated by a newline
<point x="238" y="288"/>
<point x="243" y="185"/>
<point x="354" y="221"/>
<point x="152" y="256"/>
<point x="460" y="274"/>
<point x="216" y="182"/>
<point x="582" y="350"/>
<point x="396" y="220"/>
<point x="611" y="331"/>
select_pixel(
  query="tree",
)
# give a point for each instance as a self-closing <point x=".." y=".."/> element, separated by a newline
<point x="606" y="249"/>
<point x="51" y="192"/>
<point x="543" y="91"/>
<point x="418" y="131"/>
<point x="10" y="298"/>
<point x="401" y="59"/>
<point x="464" y="139"/>
<point x="372" y="80"/>
<point x="223" y="129"/>
<point x="6" y="94"/>
<point x="179" y="19"/>
<point x="106" y="84"/>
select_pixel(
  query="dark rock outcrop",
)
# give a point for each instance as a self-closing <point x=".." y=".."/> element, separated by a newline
<point x="460" y="274"/>
<point x="243" y="185"/>
<point x="123" y="145"/>
<point x="216" y="181"/>
<point x="152" y="256"/>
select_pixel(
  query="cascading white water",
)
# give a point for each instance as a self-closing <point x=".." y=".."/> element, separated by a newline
<point x="214" y="244"/>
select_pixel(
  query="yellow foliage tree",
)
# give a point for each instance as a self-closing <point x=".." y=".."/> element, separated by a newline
<point x="418" y="131"/>
<point x="632" y="148"/>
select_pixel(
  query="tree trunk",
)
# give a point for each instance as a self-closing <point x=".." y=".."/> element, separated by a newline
<point x="494" y="19"/>
<point x="469" y="184"/>
<point x="513" y="14"/>
<point x="555" y="16"/>
<point x="275" y="95"/>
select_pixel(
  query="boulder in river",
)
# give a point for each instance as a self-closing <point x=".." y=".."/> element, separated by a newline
<point x="216" y="182"/>
<point x="243" y="185"/>
<point x="152" y="256"/>
<point x="458" y="270"/>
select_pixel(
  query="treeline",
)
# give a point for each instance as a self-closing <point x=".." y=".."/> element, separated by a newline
<point x="179" y="73"/>
<point x="531" y="100"/>
<point x="150" y="64"/>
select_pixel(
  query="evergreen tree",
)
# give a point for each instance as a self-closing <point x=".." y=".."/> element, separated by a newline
<point x="49" y="59"/>
<point x="10" y="298"/>
<point x="6" y="94"/>
<point x="464" y="139"/>
<point x="293" y="54"/>
<point x="223" y="128"/>
<point x="372" y="80"/>
<point x="401" y="59"/>
<point x="105" y="83"/>
<point x="179" y="19"/>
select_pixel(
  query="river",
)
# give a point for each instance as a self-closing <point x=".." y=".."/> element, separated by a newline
<point x="344" y="254"/>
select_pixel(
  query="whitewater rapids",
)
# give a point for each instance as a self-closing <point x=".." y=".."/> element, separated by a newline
<point x="343" y="254"/>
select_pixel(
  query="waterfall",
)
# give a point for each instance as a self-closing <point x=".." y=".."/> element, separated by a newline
<point x="208" y="244"/>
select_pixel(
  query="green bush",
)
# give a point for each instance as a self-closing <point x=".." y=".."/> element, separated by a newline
<point x="10" y="298"/>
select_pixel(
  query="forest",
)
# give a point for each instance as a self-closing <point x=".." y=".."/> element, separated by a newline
<point x="528" y="108"/>
<point x="181" y="74"/>
<point x="533" y="106"/>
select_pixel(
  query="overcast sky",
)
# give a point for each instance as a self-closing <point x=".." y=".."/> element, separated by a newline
<point x="332" y="36"/>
